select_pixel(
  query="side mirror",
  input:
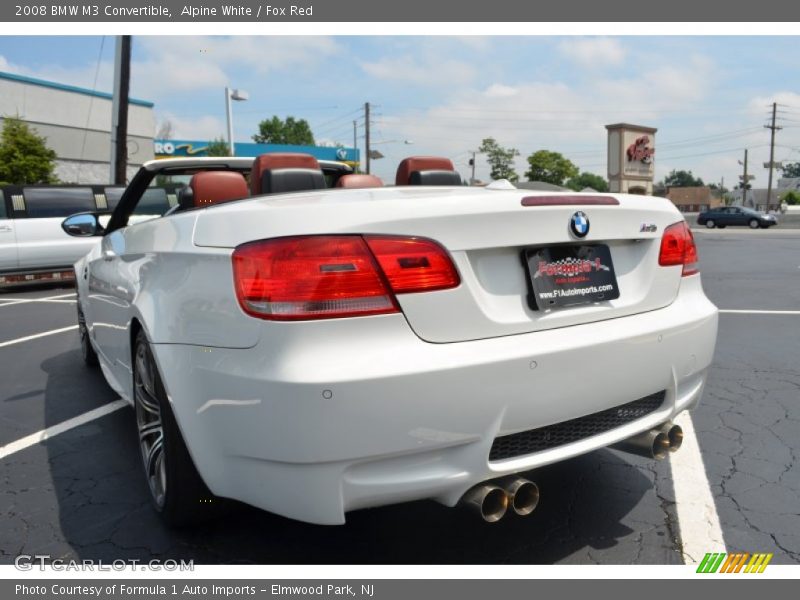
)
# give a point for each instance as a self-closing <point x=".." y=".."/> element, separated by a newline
<point x="83" y="225"/>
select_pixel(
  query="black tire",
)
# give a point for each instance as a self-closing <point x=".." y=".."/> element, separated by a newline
<point x="87" y="350"/>
<point x="710" y="224"/>
<point x="753" y="223"/>
<point x="176" y="489"/>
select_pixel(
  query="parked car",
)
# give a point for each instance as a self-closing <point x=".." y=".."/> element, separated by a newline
<point x="735" y="215"/>
<point x="34" y="247"/>
<point x="314" y="351"/>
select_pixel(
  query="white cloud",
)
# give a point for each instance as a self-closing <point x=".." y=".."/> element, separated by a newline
<point x="761" y="104"/>
<point x="424" y="71"/>
<point x="593" y="52"/>
<point x="80" y="75"/>
<point x="187" y="63"/>
<point x="531" y="115"/>
<point x="660" y="88"/>
<point x="204" y="127"/>
<point x="498" y="90"/>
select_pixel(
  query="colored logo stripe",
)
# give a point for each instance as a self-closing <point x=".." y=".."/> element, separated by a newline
<point x="733" y="563"/>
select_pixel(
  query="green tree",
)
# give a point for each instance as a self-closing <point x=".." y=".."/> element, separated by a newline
<point x="586" y="179"/>
<point x="24" y="155"/>
<point x="792" y="197"/>
<point x="791" y="169"/>
<point x="682" y="179"/>
<point x="217" y="147"/>
<point x="288" y="131"/>
<point x="500" y="159"/>
<point x="550" y="167"/>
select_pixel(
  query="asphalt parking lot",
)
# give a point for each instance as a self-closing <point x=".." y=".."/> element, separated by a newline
<point x="81" y="495"/>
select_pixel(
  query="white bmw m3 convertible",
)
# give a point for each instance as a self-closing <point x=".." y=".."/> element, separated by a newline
<point x="312" y="343"/>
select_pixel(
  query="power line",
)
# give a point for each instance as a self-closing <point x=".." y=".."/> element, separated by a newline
<point x="347" y="115"/>
<point x="89" y="112"/>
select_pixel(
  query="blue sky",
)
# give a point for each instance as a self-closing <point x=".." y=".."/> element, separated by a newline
<point x="708" y="96"/>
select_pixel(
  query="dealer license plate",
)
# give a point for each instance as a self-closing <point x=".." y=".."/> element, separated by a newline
<point x="571" y="275"/>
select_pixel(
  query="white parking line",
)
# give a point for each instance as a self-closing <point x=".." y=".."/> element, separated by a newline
<point x="698" y="520"/>
<point x="50" y="432"/>
<point x="10" y="301"/>
<point x="40" y="300"/>
<point x="758" y="312"/>
<point x="37" y="335"/>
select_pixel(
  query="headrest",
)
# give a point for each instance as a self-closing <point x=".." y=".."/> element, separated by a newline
<point x="434" y="178"/>
<point x="359" y="181"/>
<point x="422" y="164"/>
<point x="279" y="161"/>
<point x="213" y="187"/>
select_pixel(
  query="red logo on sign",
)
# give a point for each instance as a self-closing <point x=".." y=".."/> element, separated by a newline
<point x="640" y="151"/>
<point x="570" y="267"/>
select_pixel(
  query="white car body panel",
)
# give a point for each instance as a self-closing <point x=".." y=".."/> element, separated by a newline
<point x="311" y="419"/>
<point x="8" y="245"/>
<point x="41" y="244"/>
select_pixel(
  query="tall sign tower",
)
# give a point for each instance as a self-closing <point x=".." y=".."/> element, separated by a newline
<point x="631" y="157"/>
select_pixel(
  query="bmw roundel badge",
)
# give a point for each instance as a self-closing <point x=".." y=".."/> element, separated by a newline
<point x="579" y="224"/>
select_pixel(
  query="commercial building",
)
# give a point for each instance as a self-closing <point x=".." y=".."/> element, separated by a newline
<point x="177" y="148"/>
<point x="77" y="125"/>
<point x="694" y="198"/>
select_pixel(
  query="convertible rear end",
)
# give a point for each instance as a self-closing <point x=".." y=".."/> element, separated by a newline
<point x="405" y="343"/>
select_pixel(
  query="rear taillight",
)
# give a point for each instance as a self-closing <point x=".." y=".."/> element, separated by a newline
<point x="678" y="248"/>
<point x="323" y="277"/>
<point x="413" y="264"/>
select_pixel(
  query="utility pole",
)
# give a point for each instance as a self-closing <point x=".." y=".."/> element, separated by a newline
<point x="772" y="129"/>
<point x="119" y="111"/>
<point x="355" y="136"/>
<point x="366" y="133"/>
<point x="745" y="177"/>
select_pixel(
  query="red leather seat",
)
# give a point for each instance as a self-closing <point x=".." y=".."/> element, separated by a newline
<point x="285" y="172"/>
<point x="427" y="170"/>
<point x="213" y="187"/>
<point x="359" y="181"/>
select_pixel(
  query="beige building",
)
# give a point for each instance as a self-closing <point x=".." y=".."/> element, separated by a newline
<point x="693" y="199"/>
<point x="77" y="124"/>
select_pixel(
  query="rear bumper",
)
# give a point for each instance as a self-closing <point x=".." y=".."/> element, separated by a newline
<point x="316" y="421"/>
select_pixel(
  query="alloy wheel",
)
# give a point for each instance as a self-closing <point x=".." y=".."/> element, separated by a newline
<point x="149" y="424"/>
<point x="83" y="333"/>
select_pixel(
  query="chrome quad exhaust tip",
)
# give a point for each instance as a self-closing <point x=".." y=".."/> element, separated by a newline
<point x="674" y="434"/>
<point x="488" y="500"/>
<point x="650" y="444"/>
<point x="523" y="495"/>
<point x="491" y="500"/>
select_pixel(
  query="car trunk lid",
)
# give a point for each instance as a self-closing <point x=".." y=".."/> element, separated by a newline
<point x="488" y="233"/>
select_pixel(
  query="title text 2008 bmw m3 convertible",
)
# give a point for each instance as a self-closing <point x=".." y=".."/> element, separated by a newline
<point x="306" y="341"/>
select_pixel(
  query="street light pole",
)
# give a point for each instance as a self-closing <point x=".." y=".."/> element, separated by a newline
<point x="239" y="96"/>
<point x="229" y="113"/>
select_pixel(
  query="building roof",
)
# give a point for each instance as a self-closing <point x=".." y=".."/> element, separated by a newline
<point x="630" y="126"/>
<point x="67" y="88"/>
